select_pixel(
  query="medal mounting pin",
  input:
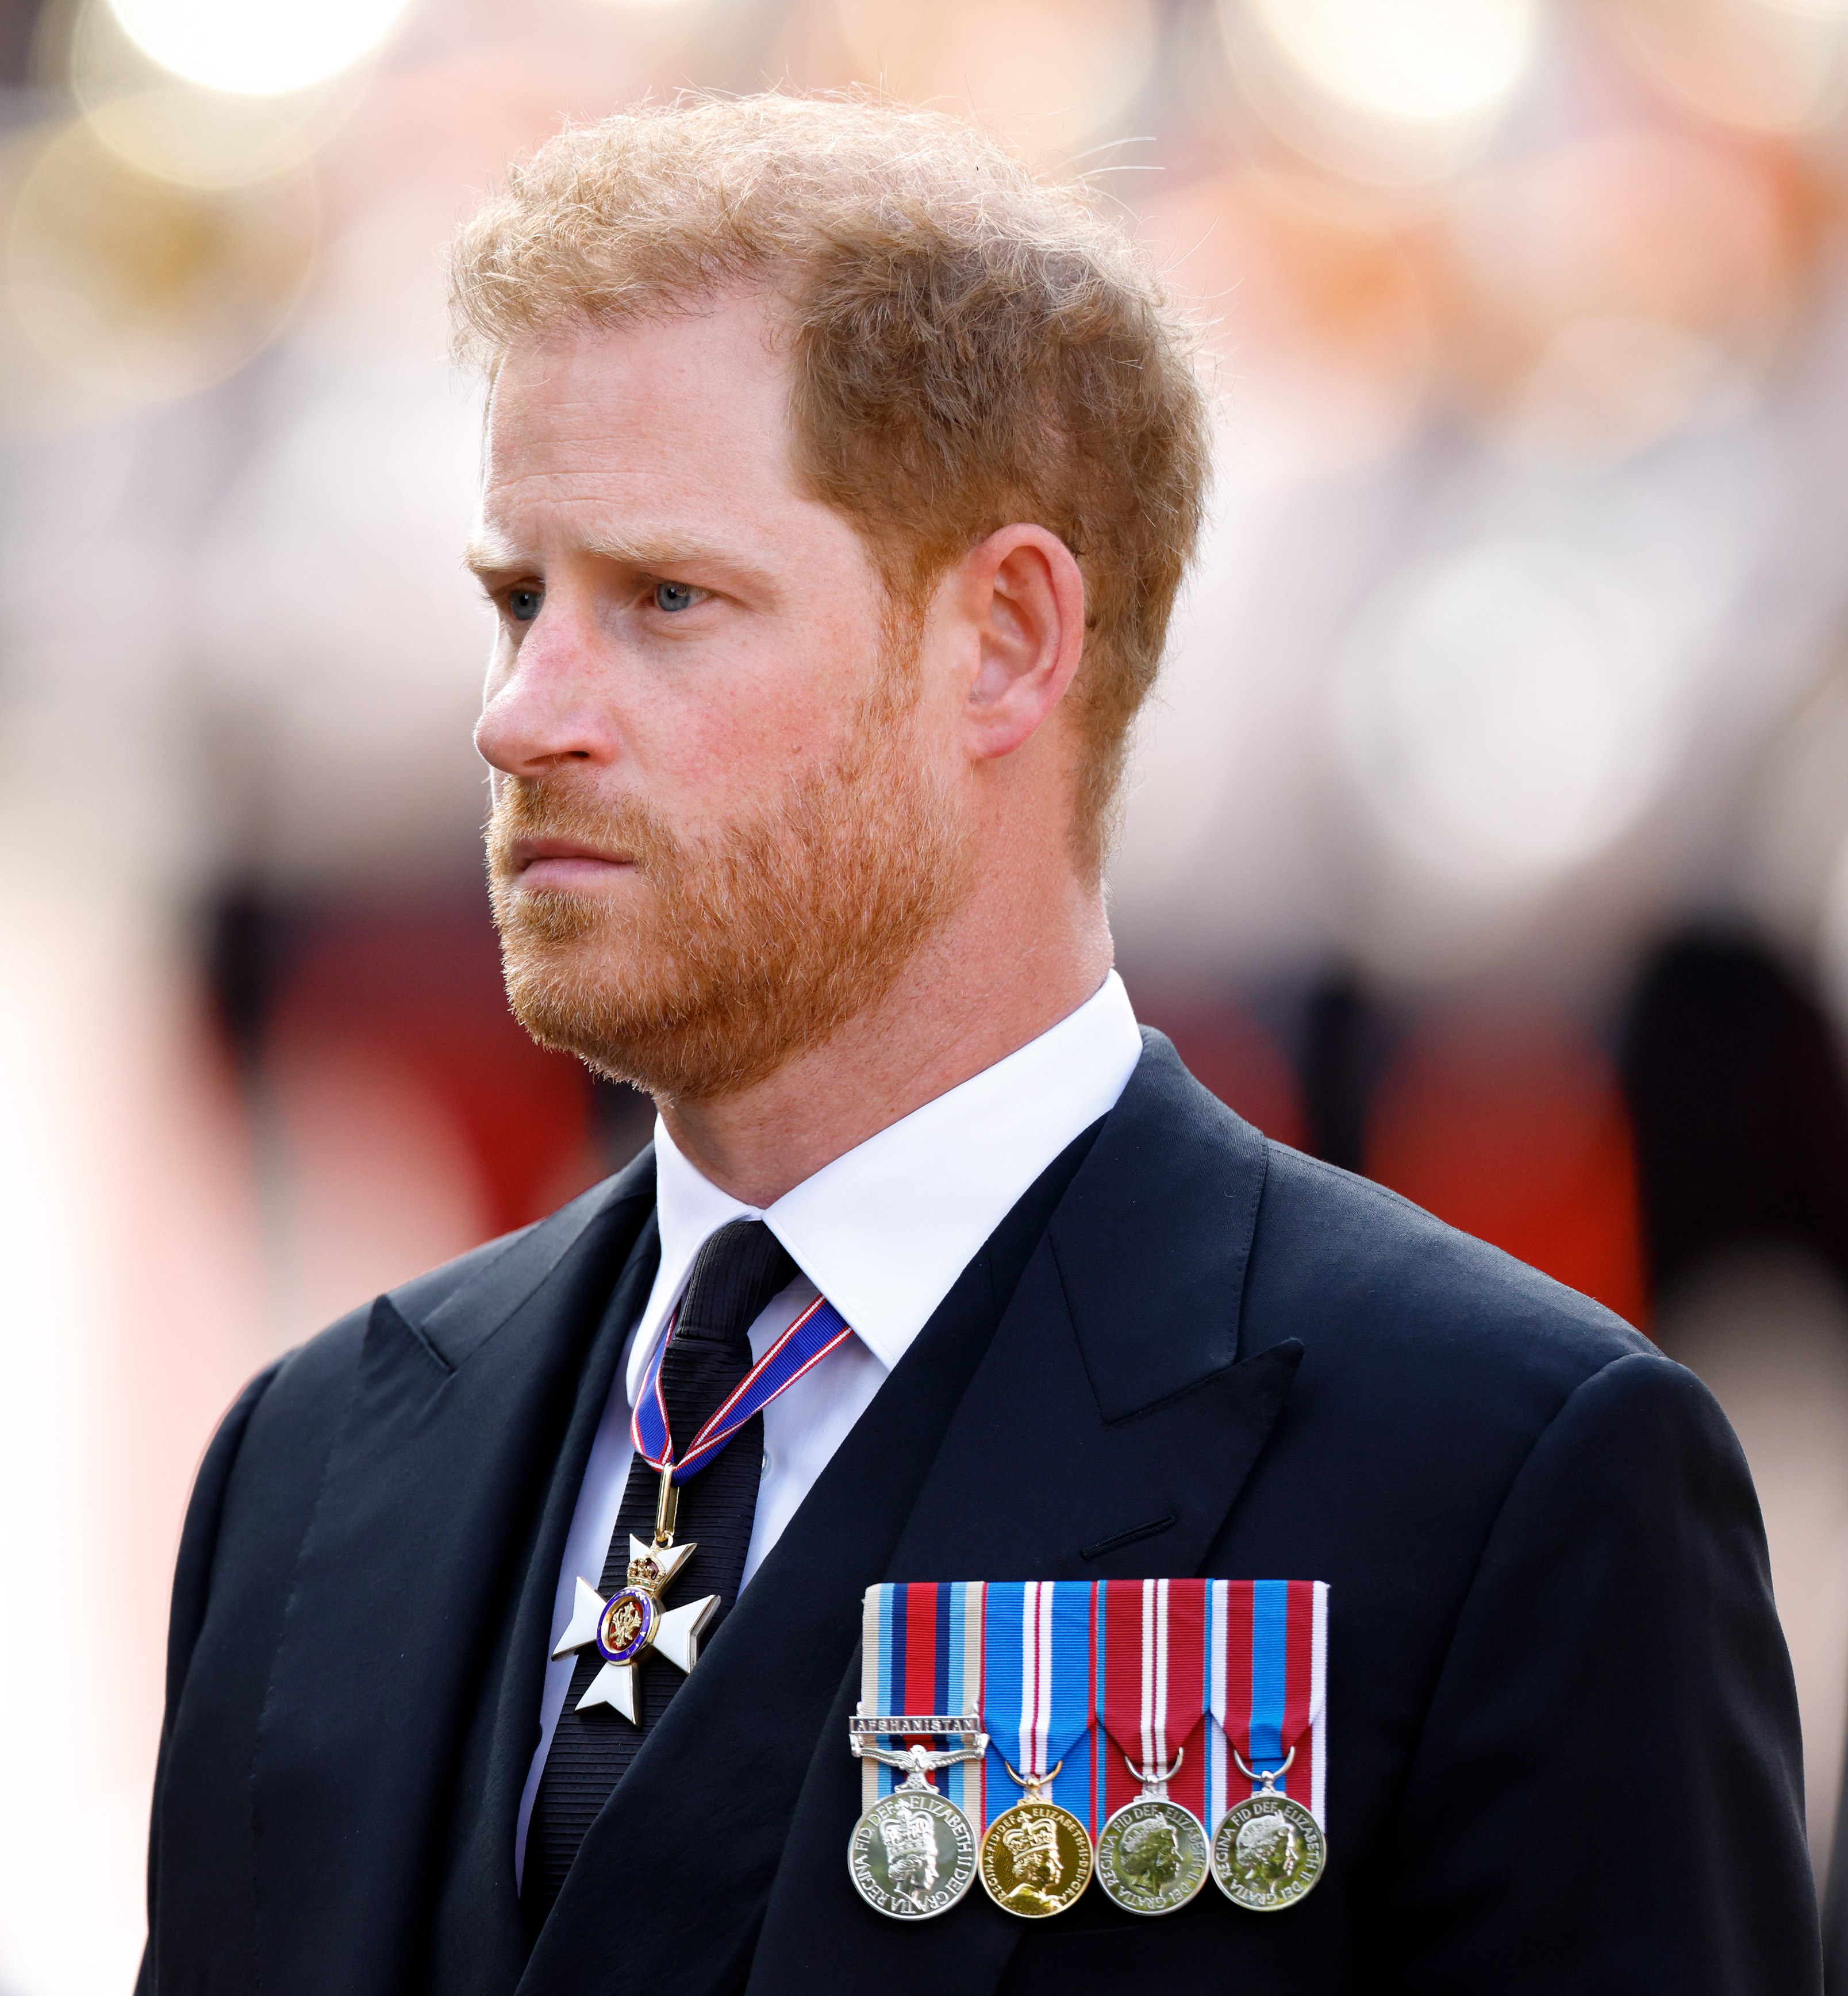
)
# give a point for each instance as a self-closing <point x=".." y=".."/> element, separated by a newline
<point x="667" y="1505"/>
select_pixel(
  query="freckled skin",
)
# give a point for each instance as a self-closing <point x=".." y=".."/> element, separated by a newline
<point x="632" y="474"/>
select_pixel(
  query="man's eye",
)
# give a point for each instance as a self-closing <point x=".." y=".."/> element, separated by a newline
<point x="672" y="596"/>
<point x="523" y="604"/>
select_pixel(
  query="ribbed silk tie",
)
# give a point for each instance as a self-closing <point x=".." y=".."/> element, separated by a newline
<point x="735" y="1274"/>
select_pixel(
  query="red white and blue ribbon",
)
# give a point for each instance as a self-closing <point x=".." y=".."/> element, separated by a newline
<point x="1039" y="1692"/>
<point x="1268" y="1647"/>
<point x="806" y="1342"/>
<point x="922" y="1656"/>
<point x="1067" y="1670"/>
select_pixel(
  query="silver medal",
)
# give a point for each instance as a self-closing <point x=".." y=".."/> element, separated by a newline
<point x="1152" y="1855"/>
<point x="912" y="1855"/>
<point x="1268" y="1851"/>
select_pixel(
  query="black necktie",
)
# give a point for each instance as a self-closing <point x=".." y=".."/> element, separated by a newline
<point x="740" y="1268"/>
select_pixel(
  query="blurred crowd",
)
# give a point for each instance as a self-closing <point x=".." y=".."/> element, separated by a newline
<point x="1489" y="836"/>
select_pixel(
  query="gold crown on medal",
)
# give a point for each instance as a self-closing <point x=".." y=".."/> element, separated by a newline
<point x="909" y="1833"/>
<point x="643" y="1572"/>
<point x="1031" y="1839"/>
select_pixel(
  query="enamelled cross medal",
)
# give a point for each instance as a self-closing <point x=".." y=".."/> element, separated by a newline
<point x="632" y="1621"/>
<point x="1036" y="1856"/>
<point x="1152" y="1854"/>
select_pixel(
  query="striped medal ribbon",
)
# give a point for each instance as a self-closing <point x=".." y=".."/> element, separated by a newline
<point x="1268" y="1643"/>
<point x="1152" y="1852"/>
<point x="912" y="1854"/>
<point x="806" y="1342"/>
<point x="1038" y="1703"/>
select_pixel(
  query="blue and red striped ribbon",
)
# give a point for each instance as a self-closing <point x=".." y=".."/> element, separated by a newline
<point x="806" y="1342"/>
<point x="1045" y="1663"/>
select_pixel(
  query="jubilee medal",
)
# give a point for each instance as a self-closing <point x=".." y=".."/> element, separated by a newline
<point x="1036" y="1856"/>
<point x="1269" y="1641"/>
<point x="1152" y="1854"/>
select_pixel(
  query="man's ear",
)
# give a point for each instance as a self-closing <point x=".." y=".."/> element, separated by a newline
<point x="1022" y="595"/>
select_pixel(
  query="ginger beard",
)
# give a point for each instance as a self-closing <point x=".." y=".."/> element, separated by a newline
<point x="731" y="951"/>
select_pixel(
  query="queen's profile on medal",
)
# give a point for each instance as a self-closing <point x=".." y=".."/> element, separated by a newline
<point x="1267" y="1853"/>
<point x="1036" y="1860"/>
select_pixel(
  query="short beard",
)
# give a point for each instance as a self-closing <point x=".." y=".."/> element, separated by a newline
<point x="747" y="945"/>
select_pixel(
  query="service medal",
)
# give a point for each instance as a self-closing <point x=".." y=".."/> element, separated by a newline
<point x="1267" y="1853"/>
<point x="1152" y="1855"/>
<point x="1152" y="1852"/>
<point x="912" y="1855"/>
<point x="1036" y="1858"/>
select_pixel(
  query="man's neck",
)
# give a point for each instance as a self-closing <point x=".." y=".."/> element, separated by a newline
<point x="984" y="986"/>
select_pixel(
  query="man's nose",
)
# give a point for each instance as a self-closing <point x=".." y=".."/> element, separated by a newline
<point x="550" y="703"/>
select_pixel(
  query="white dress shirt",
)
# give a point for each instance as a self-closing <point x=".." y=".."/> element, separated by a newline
<point x="883" y="1232"/>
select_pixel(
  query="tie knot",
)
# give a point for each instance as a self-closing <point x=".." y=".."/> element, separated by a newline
<point x="735" y="1275"/>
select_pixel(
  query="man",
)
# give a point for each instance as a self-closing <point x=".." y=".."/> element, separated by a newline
<point x="839" y="479"/>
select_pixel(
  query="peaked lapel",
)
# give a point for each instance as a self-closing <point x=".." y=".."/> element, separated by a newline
<point x="458" y="1405"/>
<point x="679" y="1862"/>
<point x="1019" y="1437"/>
<point x="1106" y="1434"/>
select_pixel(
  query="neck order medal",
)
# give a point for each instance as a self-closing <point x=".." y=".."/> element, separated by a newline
<point x="632" y="1621"/>
<point x="1036" y="1856"/>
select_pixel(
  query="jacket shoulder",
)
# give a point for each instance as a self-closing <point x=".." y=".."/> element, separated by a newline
<point x="1361" y="1273"/>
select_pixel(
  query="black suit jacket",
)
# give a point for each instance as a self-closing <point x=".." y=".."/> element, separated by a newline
<point x="1563" y="1746"/>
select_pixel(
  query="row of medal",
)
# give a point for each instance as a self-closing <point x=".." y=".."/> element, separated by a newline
<point x="1032" y="1680"/>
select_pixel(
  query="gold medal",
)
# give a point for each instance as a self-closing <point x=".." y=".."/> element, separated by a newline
<point x="912" y="1855"/>
<point x="1036" y="1856"/>
<point x="1268" y="1851"/>
<point x="1152" y="1854"/>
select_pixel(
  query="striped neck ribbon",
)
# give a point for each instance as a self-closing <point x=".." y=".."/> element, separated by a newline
<point x="1268" y="1645"/>
<point x="1153" y="1666"/>
<point x="806" y="1342"/>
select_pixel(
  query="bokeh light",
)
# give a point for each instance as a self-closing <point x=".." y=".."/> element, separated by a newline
<point x="1431" y="61"/>
<point x="142" y="290"/>
<point x="1505" y="711"/>
<point x="262" y="50"/>
<point x="1052" y="73"/>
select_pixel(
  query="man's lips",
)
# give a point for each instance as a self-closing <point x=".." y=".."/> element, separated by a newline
<point x="563" y="863"/>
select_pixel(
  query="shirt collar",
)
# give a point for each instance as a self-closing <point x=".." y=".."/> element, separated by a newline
<point x="884" y="1230"/>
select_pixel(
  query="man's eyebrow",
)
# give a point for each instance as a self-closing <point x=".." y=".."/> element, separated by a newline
<point x="490" y="555"/>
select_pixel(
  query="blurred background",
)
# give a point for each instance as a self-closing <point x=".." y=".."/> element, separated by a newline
<point x="1490" y="835"/>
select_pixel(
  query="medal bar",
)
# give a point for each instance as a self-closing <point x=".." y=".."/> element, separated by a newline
<point x="1124" y="1715"/>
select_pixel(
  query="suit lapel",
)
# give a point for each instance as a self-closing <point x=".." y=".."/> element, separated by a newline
<point x="679" y="1862"/>
<point x="1023" y="1436"/>
<point x="441" y="1464"/>
<point x="480" y="1940"/>
<point x="1107" y="1433"/>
